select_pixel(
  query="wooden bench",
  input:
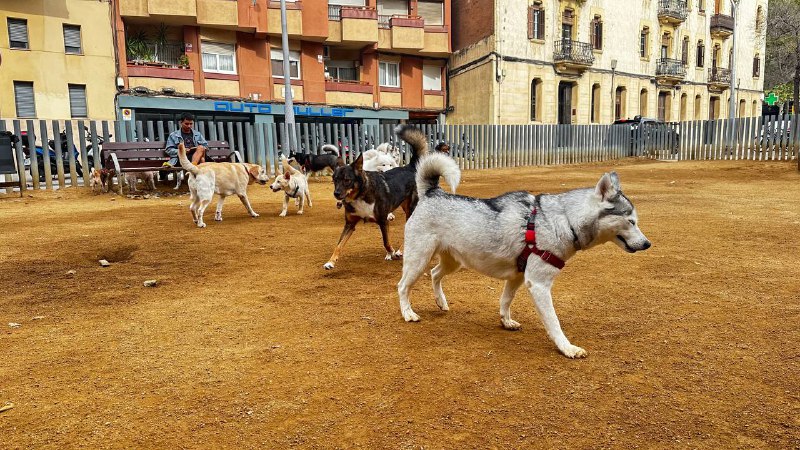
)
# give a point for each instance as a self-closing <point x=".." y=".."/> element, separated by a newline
<point x="151" y="156"/>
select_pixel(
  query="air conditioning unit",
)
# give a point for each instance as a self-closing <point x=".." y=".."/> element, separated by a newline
<point x="326" y="52"/>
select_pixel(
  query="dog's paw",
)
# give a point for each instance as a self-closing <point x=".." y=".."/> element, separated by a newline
<point x="390" y="217"/>
<point x="201" y="225"/>
<point x="218" y="217"/>
<point x="388" y="257"/>
<point x="328" y="265"/>
<point x="441" y="302"/>
<point x="299" y="212"/>
<point x="254" y="215"/>
<point x="410" y="316"/>
<point x="574" y="352"/>
<point x="397" y="254"/>
<point x="509" y="324"/>
<point x="282" y="214"/>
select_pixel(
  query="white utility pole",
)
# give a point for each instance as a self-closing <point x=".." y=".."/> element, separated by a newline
<point x="732" y="106"/>
<point x="287" y="79"/>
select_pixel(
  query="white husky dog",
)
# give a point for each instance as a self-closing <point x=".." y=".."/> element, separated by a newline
<point x="490" y="237"/>
<point x="378" y="161"/>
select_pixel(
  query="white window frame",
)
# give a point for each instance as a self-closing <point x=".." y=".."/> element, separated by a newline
<point x="276" y="54"/>
<point x="383" y="67"/>
<point x="425" y="78"/>
<point x="204" y="52"/>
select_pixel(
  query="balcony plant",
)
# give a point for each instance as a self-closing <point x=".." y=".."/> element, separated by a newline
<point x="183" y="61"/>
<point x="137" y="47"/>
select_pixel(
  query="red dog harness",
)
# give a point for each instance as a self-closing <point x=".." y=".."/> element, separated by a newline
<point x="531" y="248"/>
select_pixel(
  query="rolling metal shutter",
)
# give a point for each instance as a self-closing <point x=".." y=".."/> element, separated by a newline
<point x="72" y="39"/>
<point x="23" y="98"/>
<point x="18" y="33"/>
<point x="393" y="7"/>
<point x="431" y="12"/>
<point x="77" y="100"/>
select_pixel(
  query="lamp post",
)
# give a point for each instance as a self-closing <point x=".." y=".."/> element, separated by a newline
<point x="613" y="91"/>
<point x="732" y="106"/>
<point x="287" y="80"/>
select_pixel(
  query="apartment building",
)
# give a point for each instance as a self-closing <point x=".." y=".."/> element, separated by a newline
<point x="56" y="60"/>
<point x="351" y="61"/>
<point x="594" y="61"/>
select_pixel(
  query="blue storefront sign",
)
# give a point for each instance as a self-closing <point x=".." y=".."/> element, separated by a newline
<point x="263" y="108"/>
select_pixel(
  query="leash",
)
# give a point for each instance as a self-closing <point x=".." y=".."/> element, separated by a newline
<point x="530" y="245"/>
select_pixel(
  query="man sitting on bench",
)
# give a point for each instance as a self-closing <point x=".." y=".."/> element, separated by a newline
<point x="191" y="138"/>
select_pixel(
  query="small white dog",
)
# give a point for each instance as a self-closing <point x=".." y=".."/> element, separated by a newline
<point x="294" y="184"/>
<point x="223" y="178"/>
<point x="393" y="151"/>
<point x="377" y="161"/>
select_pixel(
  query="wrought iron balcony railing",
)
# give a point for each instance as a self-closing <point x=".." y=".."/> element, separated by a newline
<point x="568" y="50"/>
<point x="384" y="21"/>
<point x="719" y="75"/>
<point x="670" y="67"/>
<point x="674" y="9"/>
<point x="722" y="23"/>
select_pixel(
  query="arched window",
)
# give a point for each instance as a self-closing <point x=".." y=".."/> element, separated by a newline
<point x="742" y="108"/>
<point x="698" y="105"/>
<point x="536" y="100"/>
<point x="643" y="103"/>
<point x="701" y="54"/>
<point x="685" y="51"/>
<point x="595" y="112"/>
<point x="684" y="106"/>
<point x="620" y="103"/>
<point x="757" y="66"/>
<point x="755" y="112"/>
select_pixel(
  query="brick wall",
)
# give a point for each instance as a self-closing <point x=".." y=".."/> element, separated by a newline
<point x="473" y="20"/>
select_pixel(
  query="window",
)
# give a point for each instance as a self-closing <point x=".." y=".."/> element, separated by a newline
<point x="432" y="78"/>
<point x="701" y="5"/>
<point x="701" y="54"/>
<point x="341" y="70"/>
<point x="18" y="34"/>
<point x="755" y="109"/>
<point x="431" y="12"/>
<point x="684" y="106"/>
<point x="277" y="64"/>
<point x="685" y="52"/>
<point x="620" y="103"/>
<point x="72" y="39"/>
<point x="536" y="93"/>
<point x="536" y="21"/>
<point x="389" y="74"/>
<point x="218" y="58"/>
<point x="77" y="100"/>
<point x="698" y="101"/>
<point x="597" y="33"/>
<point x="643" y="38"/>
<point x="23" y="99"/>
<point x="595" y="113"/>
<point x="757" y="66"/>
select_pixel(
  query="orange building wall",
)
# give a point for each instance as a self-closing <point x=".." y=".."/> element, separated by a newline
<point x="254" y="16"/>
<point x="191" y="36"/>
<point x="313" y="72"/>
<point x="315" y="19"/>
<point x="369" y="71"/>
<point x="254" y="66"/>
<point x="411" y="82"/>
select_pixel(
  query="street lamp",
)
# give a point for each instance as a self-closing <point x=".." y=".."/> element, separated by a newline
<point x="732" y="106"/>
<point x="287" y="80"/>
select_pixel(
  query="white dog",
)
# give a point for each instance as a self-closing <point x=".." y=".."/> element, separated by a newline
<point x="294" y="185"/>
<point x="517" y="237"/>
<point x="378" y="161"/>
<point x="393" y="151"/>
<point x="223" y="178"/>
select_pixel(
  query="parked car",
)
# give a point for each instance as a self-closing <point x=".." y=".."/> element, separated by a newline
<point x="648" y="135"/>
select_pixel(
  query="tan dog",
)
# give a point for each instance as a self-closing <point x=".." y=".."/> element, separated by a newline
<point x="224" y="179"/>
<point x="294" y="185"/>
<point x="101" y="178"/>
<point x="131" y="178"/>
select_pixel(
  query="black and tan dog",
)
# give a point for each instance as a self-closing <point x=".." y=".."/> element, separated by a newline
<point x="316" y="163"/>
<point x="371" y="196"/>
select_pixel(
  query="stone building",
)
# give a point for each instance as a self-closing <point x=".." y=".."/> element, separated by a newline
<point x="594" y="61"/>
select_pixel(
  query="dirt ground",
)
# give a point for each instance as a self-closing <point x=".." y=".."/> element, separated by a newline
<point x="248" y="343"/>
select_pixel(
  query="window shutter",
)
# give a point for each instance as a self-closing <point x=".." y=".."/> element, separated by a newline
<point x="540" y="28"/>
<point x="77" y="100"/>
<point x="530" y="23"/>
<point x="24" y="100"/>
<point x="72" y="39"/>
<point x="18" y="33"/>
<point x="685" y="52"/>
<point x="431" y="12"/>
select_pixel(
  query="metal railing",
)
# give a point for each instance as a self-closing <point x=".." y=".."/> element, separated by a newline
<point x="722" y="22"/>
<point x="677" y="9"/>
<point x="169" y="53"/>
<point x="573" y="51"/>
<point x="384" y="21"/>
<point x="719" y="75"/>
<point x="334" y="12"/>
<point x="670" y="67"/>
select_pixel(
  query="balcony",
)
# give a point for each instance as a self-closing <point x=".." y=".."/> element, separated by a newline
<point x="437" y="41"/>
<point x="721" y="26"/>
<point x="672" y="11"/>
<point x="719" y="79"/>
<point x="359" y="24"/>
<point x="572" y="57"/>
<point x="403" y="32"/>
<point x="294" y="18"/>
<point x="670" y="71"/>
<point x="167" y="54"/>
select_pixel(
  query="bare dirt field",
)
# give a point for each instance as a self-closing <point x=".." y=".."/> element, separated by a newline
<point x="248" y="343"/>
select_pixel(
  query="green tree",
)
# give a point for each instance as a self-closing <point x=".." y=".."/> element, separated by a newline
<point x="782" y="62"/>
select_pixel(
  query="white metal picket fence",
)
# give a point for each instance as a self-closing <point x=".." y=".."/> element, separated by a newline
<point x="55" y="154"/>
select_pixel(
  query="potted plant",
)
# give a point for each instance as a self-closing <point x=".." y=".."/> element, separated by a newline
<point x="183" y="61"/>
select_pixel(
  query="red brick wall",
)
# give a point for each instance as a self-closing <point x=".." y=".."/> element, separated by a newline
<point x="473" y="20"/>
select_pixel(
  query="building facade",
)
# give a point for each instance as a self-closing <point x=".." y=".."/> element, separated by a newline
<point x="56" y="60"/>
<point x="352" y="61"/>
<point x="594" y="61"/>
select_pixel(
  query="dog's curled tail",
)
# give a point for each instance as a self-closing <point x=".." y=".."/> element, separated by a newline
<point x="330" y="148"/>
<point x="431" y="168"/>
<point x="415" y="138"/>
<point x="185" y="163"/>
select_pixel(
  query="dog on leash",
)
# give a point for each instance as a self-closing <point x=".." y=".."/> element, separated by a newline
<point x="317" y="163"/>
<point x="294" y="184"/>
<point x="517" y="237"/>
<point x="371" y="196"/>
<point x="102" y="178"/>
<point x="224" y="179"/>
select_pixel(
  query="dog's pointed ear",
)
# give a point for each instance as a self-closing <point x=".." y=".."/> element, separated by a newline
<point x="606" y="187"/>
<point x="287" y="175"/>
<point x="253" y="170"/>
<point x="358" y="164"/>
